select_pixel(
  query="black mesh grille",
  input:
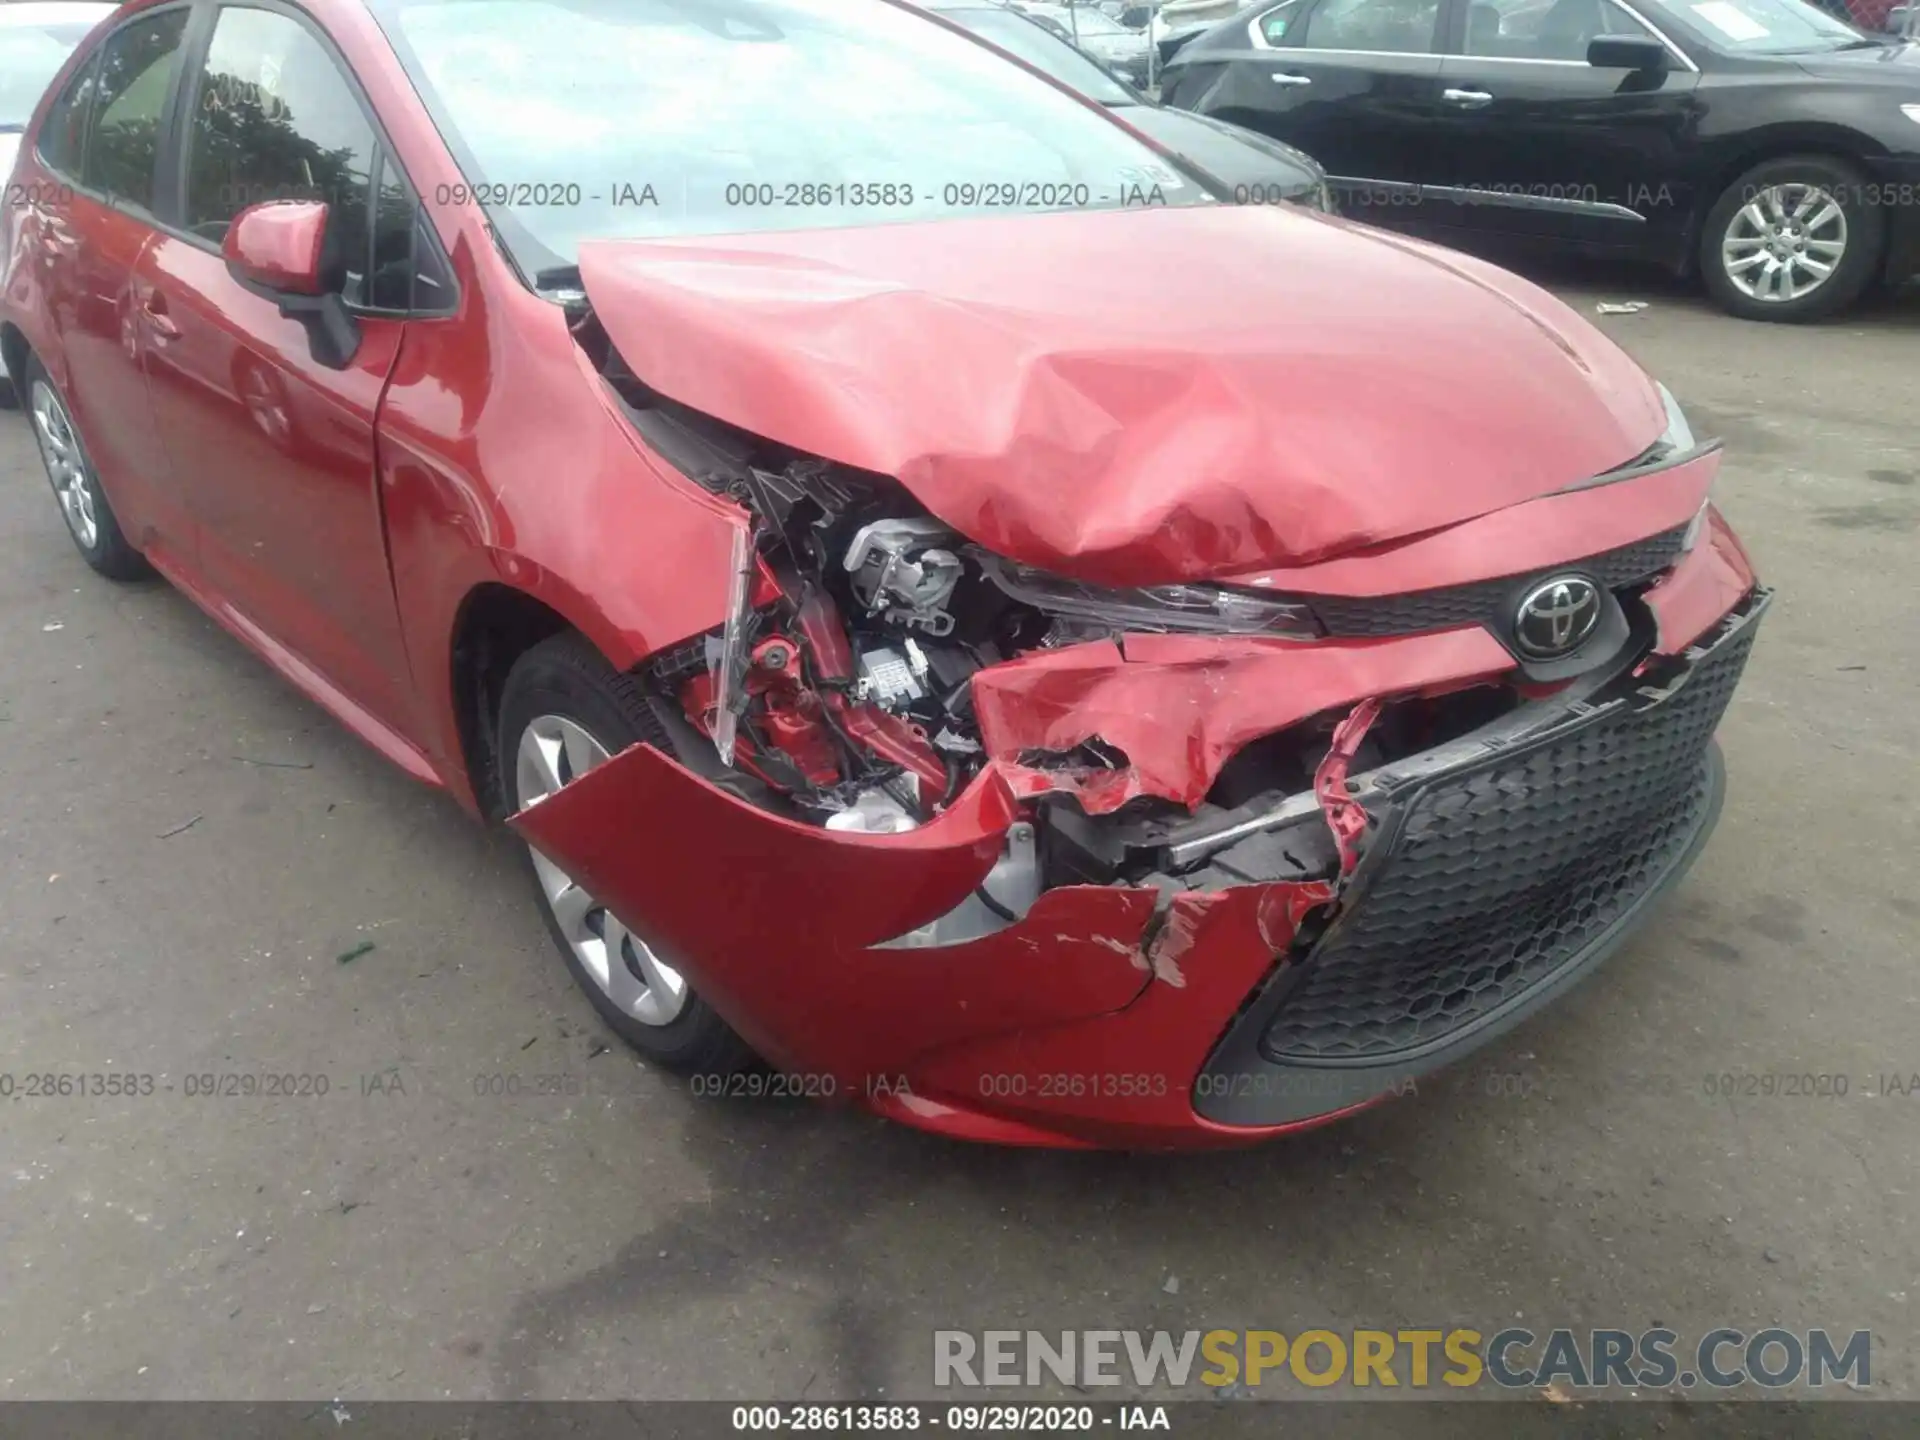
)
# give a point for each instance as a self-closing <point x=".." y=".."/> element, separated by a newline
<point x="1500" y="876"/>
<point x="1631" y="564"/>
<point x="1479" y="602"/>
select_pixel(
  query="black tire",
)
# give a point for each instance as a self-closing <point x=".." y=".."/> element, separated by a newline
<point x="1866" y="232"/>
<point x="106" y="549"/>
<point x="566" y="677"/>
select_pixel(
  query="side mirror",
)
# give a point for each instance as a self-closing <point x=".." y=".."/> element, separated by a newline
<point x="280" y="246"/>
<point x="1627" y="52"/>
<point x="278" y="250"/>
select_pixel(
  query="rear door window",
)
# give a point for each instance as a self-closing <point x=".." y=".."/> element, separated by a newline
<point x="1545" y="29"/>
<point x="1395" y="27"/>
<point x="63" y="138"/>
<point x="134" y="78"/>
<point x="1278" y="27"/>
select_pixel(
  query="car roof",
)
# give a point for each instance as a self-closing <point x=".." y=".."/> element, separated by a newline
<point x="46" y="12"/>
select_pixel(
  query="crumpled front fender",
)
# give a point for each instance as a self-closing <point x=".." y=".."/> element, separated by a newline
<point x="775" y="923"/>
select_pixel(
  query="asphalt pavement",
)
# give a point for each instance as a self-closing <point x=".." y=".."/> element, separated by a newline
<point x="188" y="850"/>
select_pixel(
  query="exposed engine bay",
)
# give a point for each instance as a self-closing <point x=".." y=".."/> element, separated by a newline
<point x="840" y="692"/>
<point x="842" y="681"/>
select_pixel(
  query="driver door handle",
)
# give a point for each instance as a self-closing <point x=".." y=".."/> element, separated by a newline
<point x="154" y="307"/>
<point x="1469" y="98"/>
<point x="1286" y="77"/>
<point x="57" y="240"/>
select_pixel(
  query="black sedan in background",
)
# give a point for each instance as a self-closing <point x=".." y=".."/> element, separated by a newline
<point x="1763" y="143"/>
<point x="1254" y="167"/>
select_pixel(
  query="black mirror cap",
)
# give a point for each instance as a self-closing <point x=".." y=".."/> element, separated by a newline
<point x="1627" y="52"/>
<point x="333" y="335"/>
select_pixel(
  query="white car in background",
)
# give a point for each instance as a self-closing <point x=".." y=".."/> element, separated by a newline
<point x="1189" y="16"/>
<point x="35" y="40"/>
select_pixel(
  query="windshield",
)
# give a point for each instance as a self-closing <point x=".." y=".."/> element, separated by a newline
<point x="1767" y="27"/>
<point x="30" y="56"/>
<point x="1043" y="50"/>
<point x="637" y="118"/>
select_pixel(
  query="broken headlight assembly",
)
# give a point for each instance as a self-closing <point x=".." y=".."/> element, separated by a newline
<point x="842" y="681"/>
<point x="1678" y="439"/>
<point x="1168" y="609"/>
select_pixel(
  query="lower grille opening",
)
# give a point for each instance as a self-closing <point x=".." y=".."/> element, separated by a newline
<point x="1496" y="878"/>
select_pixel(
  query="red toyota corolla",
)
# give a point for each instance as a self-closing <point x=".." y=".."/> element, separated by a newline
<point x="1020" y="642"/>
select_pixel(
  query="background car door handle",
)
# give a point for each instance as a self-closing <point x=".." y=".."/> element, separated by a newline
<point x="158" y="321"/>
<point x="1466" y="97"/>
<point x="1286" y="78"/>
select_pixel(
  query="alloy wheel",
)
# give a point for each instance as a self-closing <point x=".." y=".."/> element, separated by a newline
<point x="1784" y="243"/>
<point x="267" y="406"/>
<point x="66" y="466"/>
<point x="553" y="752"/>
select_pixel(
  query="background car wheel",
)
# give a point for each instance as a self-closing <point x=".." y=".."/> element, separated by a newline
<point x="565" y="710"/>
<point x="83" y="504"/>
<point x="1792" y="239"/>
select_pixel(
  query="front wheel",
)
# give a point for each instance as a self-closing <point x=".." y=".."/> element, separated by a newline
<point x="83" y="504"/>
<point x="1792" y="239"/>
<point x="564" y="711"/>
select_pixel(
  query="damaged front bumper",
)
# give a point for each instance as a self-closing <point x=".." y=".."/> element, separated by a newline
<point x="1502" y="869"/>
<point x="1239" y="995"/>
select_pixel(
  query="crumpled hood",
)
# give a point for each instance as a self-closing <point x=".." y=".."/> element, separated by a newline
<point x="1144" y="395"/>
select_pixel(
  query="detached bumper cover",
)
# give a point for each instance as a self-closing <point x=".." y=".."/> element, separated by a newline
<point x="1122" y="1016"/>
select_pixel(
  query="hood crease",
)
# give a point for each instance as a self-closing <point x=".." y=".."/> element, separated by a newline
<point x="1138" y="397"/>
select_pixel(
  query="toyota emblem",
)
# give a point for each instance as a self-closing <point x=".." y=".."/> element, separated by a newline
<point x="1556" y="617"/>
